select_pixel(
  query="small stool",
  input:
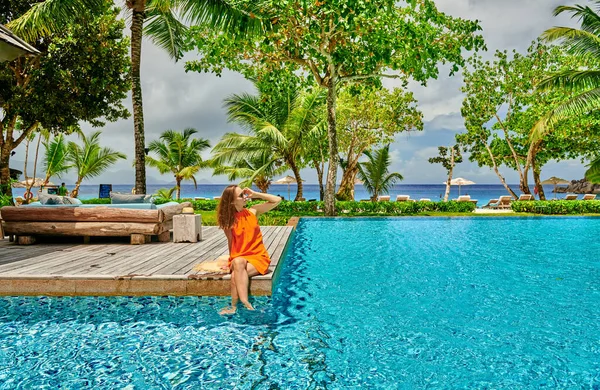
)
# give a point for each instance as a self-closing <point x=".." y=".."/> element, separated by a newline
<point x="187" y="228"/>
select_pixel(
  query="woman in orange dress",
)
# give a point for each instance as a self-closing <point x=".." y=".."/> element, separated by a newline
<point x="247" y="253"/>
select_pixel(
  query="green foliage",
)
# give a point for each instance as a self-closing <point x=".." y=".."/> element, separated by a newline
<point x="593" y="173"/>
<point x="502" y="105"/>
<point x="96" y="201"/>
<point x="165" y="194"/>
<point x="90" y="159"/>
<point x="82" y="75"/>
<point x="584" y="81"/>
<point x="277" y="125"/>
<point x="55" y="157"/>
<point x="178" y="153"/>
<point x="446" y="158"/>
<point x="375" y="172"/>
<point x="5" y="200"/>
<point x="557" y="207"/>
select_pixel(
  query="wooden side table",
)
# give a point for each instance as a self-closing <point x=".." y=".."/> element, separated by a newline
<point x="187" y="228"/>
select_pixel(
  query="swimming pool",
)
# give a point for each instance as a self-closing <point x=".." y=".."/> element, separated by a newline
<point x="384" y="302"/>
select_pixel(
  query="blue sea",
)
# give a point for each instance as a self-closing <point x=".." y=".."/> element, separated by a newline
<point x="375" y="303"/>
<point x="482" y="192"/>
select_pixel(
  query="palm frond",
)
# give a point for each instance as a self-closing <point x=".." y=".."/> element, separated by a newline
<point x="222" y="15"/>
<point x="577" y="105"/>
<point x="572" y="80"/>
<point x="593" y="172"/>
<point x="51" y="16"/>
<point x="165" y="31"/>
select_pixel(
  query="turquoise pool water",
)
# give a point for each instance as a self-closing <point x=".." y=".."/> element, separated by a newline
<point x="378" y="303"/>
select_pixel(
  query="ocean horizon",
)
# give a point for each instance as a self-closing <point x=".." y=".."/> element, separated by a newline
<point x="481" y="192"/>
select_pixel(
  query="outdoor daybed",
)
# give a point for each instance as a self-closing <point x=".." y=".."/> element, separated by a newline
<point x="140" y="221"/>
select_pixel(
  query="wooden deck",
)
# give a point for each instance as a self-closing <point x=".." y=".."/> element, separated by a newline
<point x="123" y="269"/>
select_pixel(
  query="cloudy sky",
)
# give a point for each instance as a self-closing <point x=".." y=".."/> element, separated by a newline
<point x="175" y="100"/>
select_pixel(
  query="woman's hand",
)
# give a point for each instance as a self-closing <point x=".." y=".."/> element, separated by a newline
<point x="249" y="192"/>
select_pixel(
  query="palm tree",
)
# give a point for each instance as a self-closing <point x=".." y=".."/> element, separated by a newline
<point x="90" y="159"/>
<point x="55" y="157"/>
<point x="178" y="153"/>
<point x="159" y="20"/>
<point x="584" y="83"/>
<point x="277" y="125"/>
<point x="258" y="171"/>
<point x="165" y="193"/>
<point x="374" y="173"/>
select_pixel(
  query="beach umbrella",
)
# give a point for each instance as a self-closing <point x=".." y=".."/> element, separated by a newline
<point x="459" y="181"/>
<point x="12" y="46"/>
<point x="556" y="181"/>
<point x="287" y="180"/>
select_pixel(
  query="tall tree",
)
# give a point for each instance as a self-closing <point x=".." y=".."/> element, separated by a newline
<point x="277" y="126"/>
<point x="337" y="42"/>
<point x="375" y="172"/>
<point x="178" y="153"/>
<point x="369" y="116"/>
<point x="90" y="159"/>
<point x="448" y="157"/>
<point x="582" y="81"/>
<point x="161" y="21"/>
<point x="502" y="105"/>
<point x="80" y="76"/>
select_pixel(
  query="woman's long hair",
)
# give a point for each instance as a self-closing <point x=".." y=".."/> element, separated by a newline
<point x="225" y="209"/>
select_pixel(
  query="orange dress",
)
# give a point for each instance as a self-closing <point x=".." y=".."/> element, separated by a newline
<point x="247" y="241"/>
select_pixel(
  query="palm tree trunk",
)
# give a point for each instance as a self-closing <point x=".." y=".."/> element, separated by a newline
<point x="296" y="172"/>
<point x="450" y="172"/>
<point x="26" y="157"/>
<point x="137" y="23"/>
<point x="320" y="179"/>
<point x="178" y="183"/>
<point x="75" y="192"/>
<point x="35" y="161"/>
<point x="333" y="148"/>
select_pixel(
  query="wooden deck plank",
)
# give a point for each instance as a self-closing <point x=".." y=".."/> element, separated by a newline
<point x="69" y="268"/>
<point x="42" y="261"/>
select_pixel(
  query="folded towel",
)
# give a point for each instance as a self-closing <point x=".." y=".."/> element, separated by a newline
<point x="217" y="266"/>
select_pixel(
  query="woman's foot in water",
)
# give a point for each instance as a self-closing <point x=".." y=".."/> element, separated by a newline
<point x="228" y="310"/>
<point x="248" y="305"/>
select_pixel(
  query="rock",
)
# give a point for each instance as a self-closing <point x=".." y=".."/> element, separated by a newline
<point x="580" y="187"/>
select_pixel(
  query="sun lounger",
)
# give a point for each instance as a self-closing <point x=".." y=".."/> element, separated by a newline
<point x="383" y="198"/>
<point x="503" y="202"/>
<point x="524" y="197"/>
<point x="466" y="198"/>
<point x="403" y="198"/>
<point x="571" y="197"/>
<point x="424" y="200"/>
<point x="589" y="197"/>
<point x="489" y="204"/>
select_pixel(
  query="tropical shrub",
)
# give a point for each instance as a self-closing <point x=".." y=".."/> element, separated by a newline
<point x="557" y="207"/>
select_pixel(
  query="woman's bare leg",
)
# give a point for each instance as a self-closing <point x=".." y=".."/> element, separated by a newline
<point x="243" y="271"/>
<point x="234" y="297"/>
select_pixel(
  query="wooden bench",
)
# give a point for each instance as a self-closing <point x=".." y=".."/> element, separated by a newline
<point x="27" y="223"/>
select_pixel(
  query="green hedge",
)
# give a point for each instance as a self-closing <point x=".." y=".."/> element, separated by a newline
<point x="96" y="201"/>
<point x="557" y="206"/>
<point x="356" y="208"/>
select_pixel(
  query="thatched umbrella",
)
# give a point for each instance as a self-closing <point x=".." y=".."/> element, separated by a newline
<point x="12" y="46"/>
<point x="286" y="180"/>
<point x="556" y="181"/>
<point x="37" y="182"/>
<point x="459" y="181"/>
